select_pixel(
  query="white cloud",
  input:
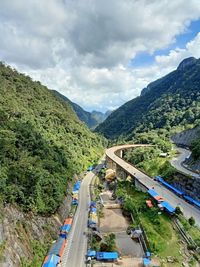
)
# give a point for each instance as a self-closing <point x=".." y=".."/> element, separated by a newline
<point x="175" y="56"/>
<point x="82" y="48"/>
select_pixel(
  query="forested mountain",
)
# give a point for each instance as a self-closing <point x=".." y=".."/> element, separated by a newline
<point x="82" y="114"/>
<point x="42" y="143"/>
<point x="99" y="116"/>
<point x="91" y="119"/>
<point x="171" y="101"/>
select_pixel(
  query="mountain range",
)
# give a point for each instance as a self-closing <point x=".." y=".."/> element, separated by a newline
<point x="91" y="119"/>
<point x="169" y="103"/>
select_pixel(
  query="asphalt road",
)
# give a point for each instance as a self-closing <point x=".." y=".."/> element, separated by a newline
<point x="188" y="209"/>
<point x="177" y="162"/>
<point x="76" y="248"/>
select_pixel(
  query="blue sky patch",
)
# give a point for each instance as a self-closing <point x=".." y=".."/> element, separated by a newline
<point x="144" y="58"/>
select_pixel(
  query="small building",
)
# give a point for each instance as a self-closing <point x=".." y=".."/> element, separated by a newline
<point x="91" y="254"/>
<point x="107" y="256"/>
<point x="146" y="262"/>
<point x="168" y="207"/>
<point x="51" y="261"/>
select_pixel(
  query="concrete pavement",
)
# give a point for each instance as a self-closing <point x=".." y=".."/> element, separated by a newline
<point x="177" y="161"/>
<point x="76" y="248"/>
<point x="188" y="209"/>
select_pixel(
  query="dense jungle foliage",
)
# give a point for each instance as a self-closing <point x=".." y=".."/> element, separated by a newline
<point x="42" y="144"/>
<point x="171" y="101"/>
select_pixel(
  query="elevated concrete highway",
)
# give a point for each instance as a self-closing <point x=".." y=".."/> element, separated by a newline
<point x="124" y="169"/>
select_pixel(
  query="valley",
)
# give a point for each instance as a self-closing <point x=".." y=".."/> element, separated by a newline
<point x="99" y="133"/>
<point x="45" y="148"/>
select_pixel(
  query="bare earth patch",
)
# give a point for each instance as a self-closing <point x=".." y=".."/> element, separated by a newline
<point x="113" y="221"/>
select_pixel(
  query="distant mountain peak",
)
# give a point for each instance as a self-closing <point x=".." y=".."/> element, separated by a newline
<point x="167" y="103"/>
<point x="187" y="62"/>
<point x="91" y="119"/>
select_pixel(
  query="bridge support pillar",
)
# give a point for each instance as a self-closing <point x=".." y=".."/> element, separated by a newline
<point x="140" y="186"/>
<point x="109" y="163"/>
<point x="121" y="173"/>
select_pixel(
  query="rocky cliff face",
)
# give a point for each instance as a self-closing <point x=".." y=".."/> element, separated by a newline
<point x="24" y="237"/>
<point x="186" y="137"/>
<point x="187" y="62"/>
<point x="190" y="185"/>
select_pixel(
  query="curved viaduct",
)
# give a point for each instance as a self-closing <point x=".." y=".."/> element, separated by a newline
<point x="144" y="182"/>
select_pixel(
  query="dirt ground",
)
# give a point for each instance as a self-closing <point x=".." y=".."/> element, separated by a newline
<point x="127" y="247"/>
<point x="113" y="221"/>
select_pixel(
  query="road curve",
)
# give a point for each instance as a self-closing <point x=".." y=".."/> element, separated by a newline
<point x="75" y="250"/>
<point x="177" y="161"/>
<point x="188" y="209"/>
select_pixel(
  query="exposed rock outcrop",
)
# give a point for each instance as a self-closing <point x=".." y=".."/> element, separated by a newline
<point x="20" y="232"/>
<point x="190" y="185"/>
<point x="186" y="137"/>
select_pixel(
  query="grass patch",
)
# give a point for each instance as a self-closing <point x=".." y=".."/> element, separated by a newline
<point x="192" y="230"/>
<point x="158" y="227"/>
<point x="39" y="251"/>
<point x="2" y="248"/>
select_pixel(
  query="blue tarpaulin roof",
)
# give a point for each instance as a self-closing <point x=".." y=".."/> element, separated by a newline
<point x="168" y="207"/>
<point x="146" y="262"/>
<point x="91" y="253"/>
<point x="65" y="227"/>
<point x="152" y="192"/>
<point x="161" y="180"/>
<point x="52" y="261"/>
<point x="77" y="186"/>
<point x="173" y="188"/>
<point x="106" y="255"/>
<point x="93" y="209"/>
<point x="93" y="203"/>
<point x="192" y="200"/>
<point x="57" y="246"/>
<point x="148" y="254"/>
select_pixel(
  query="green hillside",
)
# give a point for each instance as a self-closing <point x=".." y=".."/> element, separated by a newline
<point x="91" y="119"/>
<point x="171" y="101"/>
<point x="82" y="114"/>
<point x="42" y="143"/>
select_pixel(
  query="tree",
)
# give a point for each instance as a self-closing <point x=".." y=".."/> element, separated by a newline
<point x="178" y="211"/>
<point x="191" y="221"/>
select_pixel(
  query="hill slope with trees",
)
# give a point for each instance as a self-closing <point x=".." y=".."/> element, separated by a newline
<point x="171" y="101"/>
<point x="91" y="119"/>
<point x="42" y="144"/>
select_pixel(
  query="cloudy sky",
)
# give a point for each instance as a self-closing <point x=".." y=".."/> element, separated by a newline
<point x="98" y="53"/>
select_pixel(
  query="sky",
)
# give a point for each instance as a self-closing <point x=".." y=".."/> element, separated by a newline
<point x="100" y="54"/>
